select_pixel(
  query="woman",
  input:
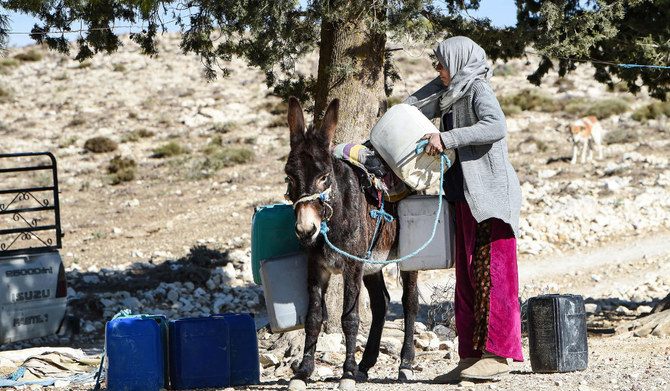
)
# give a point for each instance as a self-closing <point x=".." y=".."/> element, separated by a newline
<point x="486" y="196"/>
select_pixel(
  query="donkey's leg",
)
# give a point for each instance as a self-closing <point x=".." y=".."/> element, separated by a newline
<point x="410" y="307"/>
<point x="352" y="277"/>
<point x="317" y="284"/>
<point x="379" y="304"/>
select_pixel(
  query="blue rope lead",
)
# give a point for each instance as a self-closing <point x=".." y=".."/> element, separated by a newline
<point x="324" y="226"/>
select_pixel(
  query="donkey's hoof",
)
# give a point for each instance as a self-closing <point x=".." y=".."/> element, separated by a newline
<point x="361" y="377"/>
<point x="297" y="385"/>
<point x="406" y="374"/>
<point x="347" y="385"/>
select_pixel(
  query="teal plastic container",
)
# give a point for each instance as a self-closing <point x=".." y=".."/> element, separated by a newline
<point x="244" y="363"/>
<point x="199" y="353"/>
<point x="136" y="353"/>
<point x="272" y="234"/>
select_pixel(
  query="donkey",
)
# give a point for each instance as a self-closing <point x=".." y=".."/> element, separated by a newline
<point x="326" y="189"/>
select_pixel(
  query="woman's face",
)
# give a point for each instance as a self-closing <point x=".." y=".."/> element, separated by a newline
<point x="444" y="74"/>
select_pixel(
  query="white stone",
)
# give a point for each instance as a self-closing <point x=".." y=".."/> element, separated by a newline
<point x="268" y="360"/>
<point x="329" y="343"/>
<point x="323" y="371"/>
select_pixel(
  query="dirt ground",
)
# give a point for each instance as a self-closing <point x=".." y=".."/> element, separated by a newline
<point x="174" y="203"/>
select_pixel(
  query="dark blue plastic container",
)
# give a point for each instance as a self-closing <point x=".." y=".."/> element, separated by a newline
<point x="244" y="364"/>
<point x="199" y="353"/>
<point x="136" y="349"/>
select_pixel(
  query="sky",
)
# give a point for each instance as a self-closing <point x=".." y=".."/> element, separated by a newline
<point x="501" y="13"/>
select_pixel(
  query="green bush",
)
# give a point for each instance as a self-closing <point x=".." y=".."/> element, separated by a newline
<point x="227" y="157"/>
<point x="122" y="169"/>
<point x="100" y="144"/>
<point x="652" y="111"/>
<point x="170" y="149"/>
<point x="29" y="56"/>
<point x="528" y="99"/>
<point x="119" y="68"/>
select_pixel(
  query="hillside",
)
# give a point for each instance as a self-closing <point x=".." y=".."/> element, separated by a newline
<point x="207" y="153"/>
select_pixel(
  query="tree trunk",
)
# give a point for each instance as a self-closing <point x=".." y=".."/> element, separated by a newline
<point x="351" y="68"/>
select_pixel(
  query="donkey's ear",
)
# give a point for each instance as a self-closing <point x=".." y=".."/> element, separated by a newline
<point x="296" y="120"/>
<point x="330" y="120"/>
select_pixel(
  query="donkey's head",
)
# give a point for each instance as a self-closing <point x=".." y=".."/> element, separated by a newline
<point x="309" y="170"/>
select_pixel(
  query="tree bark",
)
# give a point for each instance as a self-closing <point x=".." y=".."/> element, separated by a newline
<point x="351" y="68"/>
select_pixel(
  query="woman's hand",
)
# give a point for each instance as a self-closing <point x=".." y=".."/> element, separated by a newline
<point x="435" y="146"/>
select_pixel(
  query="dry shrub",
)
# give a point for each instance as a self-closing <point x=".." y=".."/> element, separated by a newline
<point x="100" y="144"/>
<point x="606" y="108"/>
<point x="6" y="94"/>
<point x="504" y="70"/>
<point x="29" y="56"/>
<point x="6" y="64"/>
<point x="392" y="101"/>
<point x="620" y="136"/>
<point x="167" y="150"/>
<point x="136" y="135"/>
<point x="528" y="99"/>
<point x="652" y="111"/>
<point x="122" y="169"/>
<point x="224" y="127"/>
<point x="226" y="157"/>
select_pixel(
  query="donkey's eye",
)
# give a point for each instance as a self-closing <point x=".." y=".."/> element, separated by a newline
<point x="323" y="178"/>
<point x="289" y="180"/>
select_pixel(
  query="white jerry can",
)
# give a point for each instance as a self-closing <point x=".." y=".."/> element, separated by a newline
<point x="416" y="217"/>
<point x="284" y="280"/>
<point x="396" y="136"/>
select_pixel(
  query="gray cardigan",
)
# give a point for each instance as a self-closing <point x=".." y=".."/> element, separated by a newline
<point x="490" y="184"/>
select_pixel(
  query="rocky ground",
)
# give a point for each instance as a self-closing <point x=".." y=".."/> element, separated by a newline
<point x="175" y="240"/>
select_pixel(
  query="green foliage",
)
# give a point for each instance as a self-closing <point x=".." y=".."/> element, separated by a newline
<point x="273" y="35"/>
<point x="652" y="111"/>
<point x="100" y="144"/>
<point x="169" y="149"/>
<point x="614" y="31"/>
<point x="528" y="99"/>
<point x="392" y="101"/>
<point x="122" y="169"/>
<point x="119" y="68"/>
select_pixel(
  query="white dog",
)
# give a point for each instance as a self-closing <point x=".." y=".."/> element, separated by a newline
<point x="587" y="131"/>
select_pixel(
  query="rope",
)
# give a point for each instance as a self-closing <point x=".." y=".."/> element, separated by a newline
<point x="324" y="226"/>
<point x="379" y="215"/>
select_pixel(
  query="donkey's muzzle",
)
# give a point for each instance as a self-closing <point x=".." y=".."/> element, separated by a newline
<point x="306" y="234"/>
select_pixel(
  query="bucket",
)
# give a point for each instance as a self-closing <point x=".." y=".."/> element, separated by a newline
<point x="244" y="363"/>
<point x="272" y="234"/>
<point x="416" y="217"/>
<point x="136" y="350"/>
<point x="395" y="137"/>
<point x="285" y="286"/>
<point x="557" y="333"/>
<point x="199" y="353"/>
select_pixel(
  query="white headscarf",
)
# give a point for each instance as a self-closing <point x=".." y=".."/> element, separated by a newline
<point x="466" y="62"/>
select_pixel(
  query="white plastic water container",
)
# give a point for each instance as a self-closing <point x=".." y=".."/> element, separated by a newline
<point x="416" y="216"/>
<point x="284" y="280"/>
<point x="396" y="136"/>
